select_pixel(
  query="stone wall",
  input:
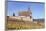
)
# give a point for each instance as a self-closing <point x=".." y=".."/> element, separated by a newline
<point x="20" y="18"/>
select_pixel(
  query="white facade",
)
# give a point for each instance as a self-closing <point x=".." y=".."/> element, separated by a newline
<point x="24" y="18"/>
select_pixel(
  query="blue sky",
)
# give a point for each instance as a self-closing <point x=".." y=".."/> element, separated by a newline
<point x="11" y="0"/>
<point x="36" y="8"/>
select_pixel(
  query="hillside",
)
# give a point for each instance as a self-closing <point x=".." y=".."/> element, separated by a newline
<point x="39" y="20"/>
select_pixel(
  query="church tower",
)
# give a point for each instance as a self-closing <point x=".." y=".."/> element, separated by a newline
<point x="29" y="10"/>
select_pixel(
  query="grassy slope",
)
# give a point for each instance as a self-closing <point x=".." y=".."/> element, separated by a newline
<point x="23" y="25"/>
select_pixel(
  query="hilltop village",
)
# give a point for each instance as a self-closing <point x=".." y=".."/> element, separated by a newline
<point x="23" y="15"/>
<point x="24" y="20"/>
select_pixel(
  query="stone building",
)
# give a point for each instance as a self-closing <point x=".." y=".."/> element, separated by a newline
<point x="24" y="15"/>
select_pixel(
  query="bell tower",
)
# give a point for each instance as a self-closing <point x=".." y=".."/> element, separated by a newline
<point x="29" y="10"/>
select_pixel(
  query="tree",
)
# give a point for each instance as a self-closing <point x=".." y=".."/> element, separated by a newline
<point x="13" y="14"/>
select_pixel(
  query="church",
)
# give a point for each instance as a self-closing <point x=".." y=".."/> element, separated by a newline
<point x="24" y="15"/>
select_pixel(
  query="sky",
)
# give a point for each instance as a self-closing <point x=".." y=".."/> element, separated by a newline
<point x="36" y="8"/>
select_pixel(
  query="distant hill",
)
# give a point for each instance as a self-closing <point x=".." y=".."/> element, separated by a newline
<point x="39" y="20"/>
